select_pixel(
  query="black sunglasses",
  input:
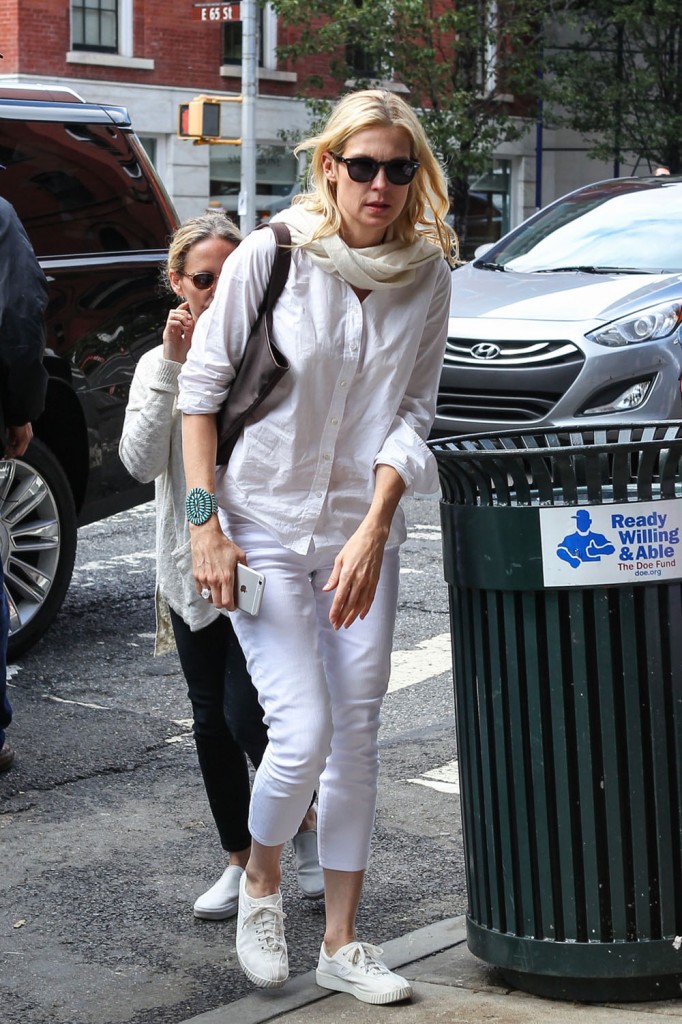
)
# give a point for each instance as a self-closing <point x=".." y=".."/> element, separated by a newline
<point x="363" y="168"/>
<point x="203" y="280"/>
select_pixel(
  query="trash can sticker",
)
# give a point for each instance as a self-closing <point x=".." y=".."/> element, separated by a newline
<point x="629" y="543"/>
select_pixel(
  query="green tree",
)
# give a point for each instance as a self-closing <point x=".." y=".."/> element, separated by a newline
<point x="469" y="66"/>
<point x="616" y="78"/>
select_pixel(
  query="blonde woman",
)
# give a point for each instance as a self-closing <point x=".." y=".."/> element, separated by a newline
<point x="311" y="498"/>
<point x="228" y="720"/>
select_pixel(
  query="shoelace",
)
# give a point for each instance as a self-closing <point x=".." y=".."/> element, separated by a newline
<point x="366" y="956"/>
<point x="269" y="922"/>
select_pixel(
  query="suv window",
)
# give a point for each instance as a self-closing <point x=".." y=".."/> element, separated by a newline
<point x="79" y="188"/>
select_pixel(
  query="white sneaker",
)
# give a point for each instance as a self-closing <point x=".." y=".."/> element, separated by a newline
<point x="261" y="946"/>
<point x="222" y="899"/>
<point x="357" y="969"/>
<point x="308" y="870"/>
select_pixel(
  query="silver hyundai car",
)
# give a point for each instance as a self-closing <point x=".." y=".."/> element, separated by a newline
<point x="574" y="316"/>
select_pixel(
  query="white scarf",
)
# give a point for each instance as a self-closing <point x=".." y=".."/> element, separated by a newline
<point x="389" y="265"/>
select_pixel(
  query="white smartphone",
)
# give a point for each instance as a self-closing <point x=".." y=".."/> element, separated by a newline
<point x="250" y="587"/>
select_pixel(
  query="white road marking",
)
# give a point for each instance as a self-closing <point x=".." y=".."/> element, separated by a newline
<point x="133" y="560"/>
<point x="444" y="779"/>
<point x="80" y="703"/>
<point x="424" y="532"/>
<point x="427" y="659"/>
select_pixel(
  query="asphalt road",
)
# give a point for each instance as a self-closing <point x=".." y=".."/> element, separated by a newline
<point x="105" y="834"/>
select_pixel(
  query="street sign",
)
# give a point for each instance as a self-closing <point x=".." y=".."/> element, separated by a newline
<point x="217" y="14"/>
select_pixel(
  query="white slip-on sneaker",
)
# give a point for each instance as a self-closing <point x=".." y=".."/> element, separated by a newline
<point x="261" y="946"/>
<point x="357" y="969"/>
<point x="308" y="870"/>
<point x="222" y="899"/>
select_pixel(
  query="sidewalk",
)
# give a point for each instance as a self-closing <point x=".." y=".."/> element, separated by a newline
<point x="451" y="986"/>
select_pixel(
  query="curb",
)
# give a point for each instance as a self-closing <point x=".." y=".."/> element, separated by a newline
<point x="265" y="1004"/>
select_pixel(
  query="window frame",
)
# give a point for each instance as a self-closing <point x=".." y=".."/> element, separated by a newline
<point x="123" y="10"/>
<point x="236" y="26"/>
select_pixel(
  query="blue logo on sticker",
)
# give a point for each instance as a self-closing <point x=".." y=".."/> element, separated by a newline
<point x="584" y="545"/>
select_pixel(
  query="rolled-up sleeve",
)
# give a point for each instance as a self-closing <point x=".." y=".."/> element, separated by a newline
<point x="405" y="447"/>
<point x="146" y="437"/>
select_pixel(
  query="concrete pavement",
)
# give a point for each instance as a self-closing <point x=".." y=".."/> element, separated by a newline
<point x="451" y="986"/>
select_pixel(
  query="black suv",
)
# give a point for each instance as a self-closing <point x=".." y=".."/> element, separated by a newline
<point x="99" y="221"/>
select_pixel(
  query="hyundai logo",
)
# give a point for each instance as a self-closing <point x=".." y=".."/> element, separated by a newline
<point x="486" y="350"/>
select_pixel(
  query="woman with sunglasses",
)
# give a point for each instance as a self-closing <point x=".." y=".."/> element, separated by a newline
<point x="310" y="497"/>
<point x="228" y="720"/>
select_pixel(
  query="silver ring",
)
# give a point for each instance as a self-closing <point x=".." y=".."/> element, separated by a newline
<point x="205" y="593"/>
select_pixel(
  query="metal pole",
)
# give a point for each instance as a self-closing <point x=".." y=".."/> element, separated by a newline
<point x="618" y="111"/>
<point x="247" y="192"/>
<point x="539" y="115"/>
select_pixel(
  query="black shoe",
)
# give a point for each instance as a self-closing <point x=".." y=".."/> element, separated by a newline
<point x="6" y="757"/>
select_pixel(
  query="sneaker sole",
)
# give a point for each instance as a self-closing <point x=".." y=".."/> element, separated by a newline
<point x="311" y="895"/>
<point x="377" y="998"/>
<point x="261" y="982"/>
<point x="217" y="915"/>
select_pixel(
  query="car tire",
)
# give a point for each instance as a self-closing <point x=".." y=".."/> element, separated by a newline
<point x="38" y="532"/>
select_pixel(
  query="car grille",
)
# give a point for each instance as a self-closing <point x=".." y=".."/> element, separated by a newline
<point x="514" y="382"/>
<point x="496" y="407"/>
<point x="459" y="352"/>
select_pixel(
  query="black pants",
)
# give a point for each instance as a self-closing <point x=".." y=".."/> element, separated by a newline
<point x="228" y="722"/>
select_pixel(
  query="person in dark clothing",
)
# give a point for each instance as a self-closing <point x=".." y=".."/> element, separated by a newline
<point x="23" y="382"/>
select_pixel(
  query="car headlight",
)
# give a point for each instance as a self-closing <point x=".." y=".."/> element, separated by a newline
<point x="646" y="325"/>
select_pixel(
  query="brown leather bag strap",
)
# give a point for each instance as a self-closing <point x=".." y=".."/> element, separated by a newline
<point x="280" y="268"/>
<point x="262" y="364"/>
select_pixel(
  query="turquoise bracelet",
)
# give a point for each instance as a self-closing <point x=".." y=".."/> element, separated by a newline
<point x="200" y="506"/>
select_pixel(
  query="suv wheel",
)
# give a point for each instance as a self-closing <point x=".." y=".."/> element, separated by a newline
<point x="37" y="542"/>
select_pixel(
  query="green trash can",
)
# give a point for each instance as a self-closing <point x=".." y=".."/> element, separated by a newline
<point x="563" y="560"/>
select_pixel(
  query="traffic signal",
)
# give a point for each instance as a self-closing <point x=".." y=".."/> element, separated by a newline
<point x="183" y="121"/>
<point x="204" y="117"/>
<point x="200" y="119"/>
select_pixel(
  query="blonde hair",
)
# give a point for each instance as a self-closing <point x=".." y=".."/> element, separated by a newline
<point x="197" y="229"/>
<point x="427" y="201"/>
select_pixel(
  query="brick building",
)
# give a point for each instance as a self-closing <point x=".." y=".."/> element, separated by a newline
<point x="153" y="55"/>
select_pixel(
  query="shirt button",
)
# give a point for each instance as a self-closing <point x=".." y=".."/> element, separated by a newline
<point x="343" y="383"/>
<point x="318" y="494"/>
<point x="354" y="348"/>
<point x="326" y="456"/>
<point x="334" y="421"/>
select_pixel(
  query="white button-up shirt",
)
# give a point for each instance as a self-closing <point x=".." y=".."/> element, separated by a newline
<point x="361" y="392"/>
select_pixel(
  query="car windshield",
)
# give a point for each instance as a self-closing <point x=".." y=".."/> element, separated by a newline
<point x="630" y="228"/>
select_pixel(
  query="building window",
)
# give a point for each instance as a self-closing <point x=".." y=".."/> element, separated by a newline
<point x="277" y="179"/>
<point x="149" y="144"/>
<point x="363" y="62"/>
<point x="94" y="25"/>
<point x="489" y="215"/>
<point x="232" y="40"/>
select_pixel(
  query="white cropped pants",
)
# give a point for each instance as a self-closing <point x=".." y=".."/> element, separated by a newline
<point x="321" y="692"/>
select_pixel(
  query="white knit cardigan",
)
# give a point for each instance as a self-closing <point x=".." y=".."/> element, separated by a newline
<point x="151" y="449"/>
